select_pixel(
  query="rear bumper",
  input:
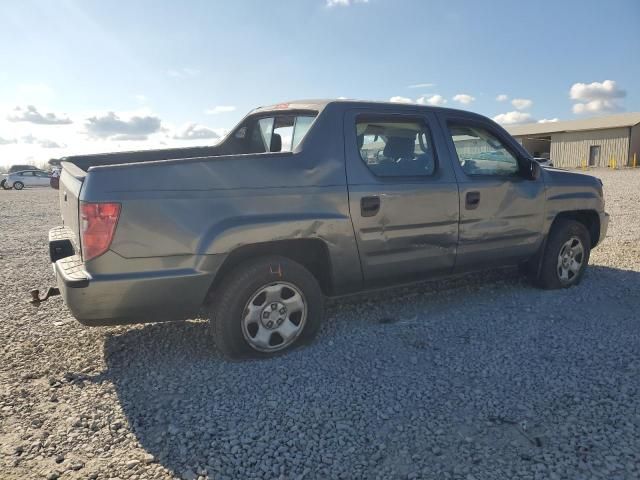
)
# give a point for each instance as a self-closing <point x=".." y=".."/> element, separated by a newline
<point x="124" y="298"/>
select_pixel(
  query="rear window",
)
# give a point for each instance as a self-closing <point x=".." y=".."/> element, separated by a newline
<point x="281" y="132"/>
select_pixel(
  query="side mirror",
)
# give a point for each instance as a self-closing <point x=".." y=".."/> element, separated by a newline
<point x="532" y="171"/>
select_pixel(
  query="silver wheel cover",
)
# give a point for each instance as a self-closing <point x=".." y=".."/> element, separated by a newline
<point x="570" y="260"/>
<point x="274" y="317"/>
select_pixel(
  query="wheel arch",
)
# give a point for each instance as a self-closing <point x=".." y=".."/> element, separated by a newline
<point x="589" y="218"/>
<point x="311" y="253"/>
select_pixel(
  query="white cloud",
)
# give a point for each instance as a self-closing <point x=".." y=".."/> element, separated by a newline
<point x="94" y="132"/>
<point x="44" y="143"/>
<point x="597" y="106"/>
<point x="511" y="118"/>
<point x="596" y="90"/>
<point x="399" y="99"/>
<point x="141" y="98"/>
<point x="422" y="85"/>
<point x="463" y="98"/>
<point x="194" y="131"/>
<point x="344" y="3"/>
<point x="116" y="127"/>
<point x="185" y="72"/>
<point x="521" y="103"/>
<point x="548" y="120"/>
<point x="31" y="114"/>
<point x="596" y="97"/>
<point x="435" y="100"/>
<point x="128" y="137"/>
<point x="220" y="109"/>
<point x="502" y="97"/>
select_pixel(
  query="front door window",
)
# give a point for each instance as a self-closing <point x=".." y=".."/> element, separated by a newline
<point x="481" y="153"/>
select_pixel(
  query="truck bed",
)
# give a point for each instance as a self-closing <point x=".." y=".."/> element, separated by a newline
<point x="84" y="162"/>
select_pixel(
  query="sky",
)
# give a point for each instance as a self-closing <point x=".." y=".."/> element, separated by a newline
<point x="90" y="76"/>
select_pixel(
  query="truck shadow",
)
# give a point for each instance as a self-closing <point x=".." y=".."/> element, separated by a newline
<point x="430" y="368"/>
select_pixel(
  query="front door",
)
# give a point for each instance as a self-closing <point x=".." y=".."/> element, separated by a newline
<point x="594" y="155"/>
<point x="501" y="211"/>
<point x="42" y="178"/>
<point x="403" y="197"/>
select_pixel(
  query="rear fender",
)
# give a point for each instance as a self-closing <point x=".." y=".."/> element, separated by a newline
<point x="335" y="231"/>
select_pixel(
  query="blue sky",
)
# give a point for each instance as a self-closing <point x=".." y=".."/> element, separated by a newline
<point x="87" y="76"/>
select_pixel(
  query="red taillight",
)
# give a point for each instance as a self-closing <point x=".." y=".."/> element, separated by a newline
<point x="97" y="225"/>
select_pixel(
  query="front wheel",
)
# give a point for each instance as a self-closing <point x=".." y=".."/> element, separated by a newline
<point x="18" y="185"/>
<point x="566" y="255"/>
<point x="265" y="306"/>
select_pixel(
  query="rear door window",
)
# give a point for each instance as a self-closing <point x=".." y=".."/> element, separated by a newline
<point x="395" y="147"/>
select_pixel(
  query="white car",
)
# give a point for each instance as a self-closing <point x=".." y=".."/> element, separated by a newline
<point x="27" y="178"/>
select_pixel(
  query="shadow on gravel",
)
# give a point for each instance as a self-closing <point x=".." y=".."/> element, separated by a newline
<point x="463" y="379"/>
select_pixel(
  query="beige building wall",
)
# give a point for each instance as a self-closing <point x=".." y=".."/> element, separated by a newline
<point x="570" y="149"/>
<point x="635" y="145"/>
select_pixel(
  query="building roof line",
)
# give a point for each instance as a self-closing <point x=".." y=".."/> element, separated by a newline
<point x="622" y="120"/>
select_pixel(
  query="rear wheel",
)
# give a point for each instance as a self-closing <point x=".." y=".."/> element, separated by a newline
<point x="266" y="306"/>
<point x="18" y="185"/>
<point x="566" y="255"/>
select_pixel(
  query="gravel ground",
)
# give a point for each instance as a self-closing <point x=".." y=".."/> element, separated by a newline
<point x="479" y="378"/>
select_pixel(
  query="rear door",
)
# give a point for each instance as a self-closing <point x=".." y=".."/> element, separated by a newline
<point x="501" y="211"/>
<point x="403" y="196"/>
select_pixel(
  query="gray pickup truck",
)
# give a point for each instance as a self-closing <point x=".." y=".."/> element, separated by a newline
<point x="309" y="199"/>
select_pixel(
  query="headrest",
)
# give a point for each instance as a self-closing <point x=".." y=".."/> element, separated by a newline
<point x="399" y="147"/>
<point x="276" y="143"/>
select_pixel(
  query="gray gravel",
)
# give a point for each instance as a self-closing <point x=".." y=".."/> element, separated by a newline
<point x="478" y="378"/>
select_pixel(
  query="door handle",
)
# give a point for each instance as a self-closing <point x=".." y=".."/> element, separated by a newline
<point x="369" y="206"/>
<point x="472" y="200"/>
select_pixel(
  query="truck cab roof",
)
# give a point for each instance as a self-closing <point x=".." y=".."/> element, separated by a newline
<point x="346" y="103"/>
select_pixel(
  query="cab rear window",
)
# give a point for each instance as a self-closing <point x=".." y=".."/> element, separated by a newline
<point x="281" y="132"/>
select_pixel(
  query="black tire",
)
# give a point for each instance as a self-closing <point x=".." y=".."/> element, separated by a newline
<point x="231" y="303"/>
<point x="3" y="184"/>
<point x="551" y="267"/>
<point x="18" y="185"/>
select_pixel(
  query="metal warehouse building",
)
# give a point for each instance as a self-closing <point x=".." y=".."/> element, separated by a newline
<point x="595" y="141"/>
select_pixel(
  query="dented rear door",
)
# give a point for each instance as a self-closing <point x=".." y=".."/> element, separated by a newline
<point x="405" y="217"/>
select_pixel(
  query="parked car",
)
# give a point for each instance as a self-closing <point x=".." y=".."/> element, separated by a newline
<point x="19" y="168"/>
<point x="544" y="162"/>
<point x="290" y="208"/>
<point x="27" y="178"/>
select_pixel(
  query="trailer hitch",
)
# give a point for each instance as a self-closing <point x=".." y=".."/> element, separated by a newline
<point x="37" y="298"/>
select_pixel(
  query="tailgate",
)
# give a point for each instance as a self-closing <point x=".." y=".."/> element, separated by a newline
<point x="71" y="181"/>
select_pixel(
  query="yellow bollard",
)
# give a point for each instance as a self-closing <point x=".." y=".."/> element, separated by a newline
<point x="634" y="160"/>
